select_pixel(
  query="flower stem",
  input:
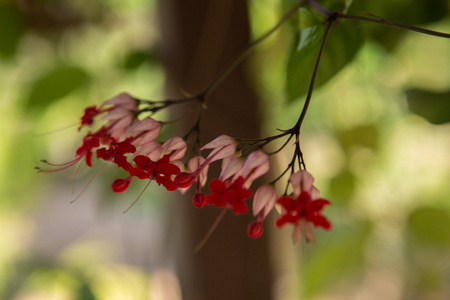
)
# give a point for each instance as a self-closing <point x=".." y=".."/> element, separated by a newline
<point x="313" y="78"/>
<point x="210" y="231"/>
<point x="382" y="21"/>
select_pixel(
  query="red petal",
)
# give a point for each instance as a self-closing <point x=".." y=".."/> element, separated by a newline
<point x="321" y="221"/>
<point x="287" y="202"/>
<point x="89" y="158"/>
<point x="166" y="182"/>
<point x="143" y="162"/>
<point x="103" y="154"/>
<point x="317" y="205"/>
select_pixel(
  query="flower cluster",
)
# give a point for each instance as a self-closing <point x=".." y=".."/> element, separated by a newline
<point x="131" y="144"/>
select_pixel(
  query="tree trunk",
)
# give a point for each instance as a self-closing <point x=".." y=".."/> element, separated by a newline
<point x="199" y="38"/>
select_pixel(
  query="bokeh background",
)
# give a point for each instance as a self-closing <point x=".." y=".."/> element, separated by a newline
<point x="377" y="139"/>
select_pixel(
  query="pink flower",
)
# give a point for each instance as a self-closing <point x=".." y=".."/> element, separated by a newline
<point x="256" y="165"/>
<point x="222" y="147"/>
<point x="143" y="131"/>
<point x="122" y="100"/>
<point x="120" y="115"/>
<point x="175" y="147"/>
<point x="303" y="207"/>
<point x="119" y="111"/>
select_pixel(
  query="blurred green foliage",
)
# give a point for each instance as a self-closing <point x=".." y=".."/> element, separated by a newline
<point x="433" y="106"/>
<point x="376" y="138"/>
<point x="54" y="85"/>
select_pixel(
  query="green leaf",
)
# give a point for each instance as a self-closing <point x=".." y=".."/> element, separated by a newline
<point x="311" y="29"/>
<point x="56" y="84"/>
<point x="365" y="136"/>
<point x="136" y="58"/>
<point x="84" y="292"/>
<point x="430" y="226"/>
<point x="343" y="43"/>
<point x="342" y="186"/>
<point x="435" y="107"/>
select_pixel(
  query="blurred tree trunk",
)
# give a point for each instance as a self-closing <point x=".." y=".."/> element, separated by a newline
<point x="199" y="38"/>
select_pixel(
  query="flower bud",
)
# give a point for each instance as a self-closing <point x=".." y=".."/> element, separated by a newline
<point x="254" y="229"/>
<point x="184" y="180"/>
<point x="198" y="200"/>
<point x="120" y="185"/>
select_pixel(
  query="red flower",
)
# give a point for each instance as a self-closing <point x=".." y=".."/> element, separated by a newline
<point x="231" y="195"/>
<point x="116" y="153"/>
<point x="88" y="118"/>
<point x="161" y="171"/>
<point x="90" y="141"/>
<point x="303" y="207"/>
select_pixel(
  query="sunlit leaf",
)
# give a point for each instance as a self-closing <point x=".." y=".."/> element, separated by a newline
<point x="435" y="107"/>
<point x="56" y="84"/>
<point x="311" y="29"/>
<point x="343" y="43"/>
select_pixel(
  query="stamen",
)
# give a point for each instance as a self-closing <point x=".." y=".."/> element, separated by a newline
<point x="132" y="204"/>
<point x="74" y="175"/>
<point x="210" y="231"/>
<point x="56" y="130"/>
<point x="95" y="176"/>
<point x="65" y="165"/>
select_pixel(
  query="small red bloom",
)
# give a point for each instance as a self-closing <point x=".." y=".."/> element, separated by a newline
<point x="231" y="195"/>
<point x="116" y="153"/>
<point x="88" y="117"/>
<point x="198" y="200"/>
<point x="161" y="171"/>
<point x="303" y="207"/>
<point x="90" y="141"/>
<point x="255" y="229"/>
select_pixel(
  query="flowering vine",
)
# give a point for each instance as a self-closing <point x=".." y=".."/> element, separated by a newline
<point x="121" y="133"/>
